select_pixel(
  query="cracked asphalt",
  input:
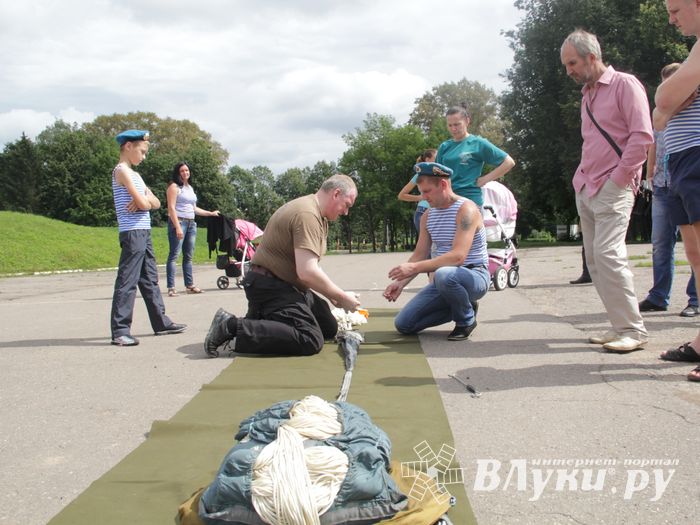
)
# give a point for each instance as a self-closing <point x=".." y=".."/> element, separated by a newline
<point x="562" y="432"/>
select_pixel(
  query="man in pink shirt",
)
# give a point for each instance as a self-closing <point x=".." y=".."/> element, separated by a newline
<point x="616" y="130"/>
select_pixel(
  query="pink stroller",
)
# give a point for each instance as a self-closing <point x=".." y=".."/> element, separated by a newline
<point x="499" y="221"/>
<point x="237" y="262"/>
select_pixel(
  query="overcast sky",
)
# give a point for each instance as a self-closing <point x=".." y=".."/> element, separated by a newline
<point x="276" y="82"/>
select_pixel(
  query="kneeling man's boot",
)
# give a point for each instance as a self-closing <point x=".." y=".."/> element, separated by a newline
<point x="219" y="332"/>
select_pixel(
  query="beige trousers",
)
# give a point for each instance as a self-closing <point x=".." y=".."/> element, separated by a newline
<point x="604" y="221"/>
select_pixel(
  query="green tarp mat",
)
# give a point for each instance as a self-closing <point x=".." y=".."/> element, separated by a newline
<point x="391" y="381"/>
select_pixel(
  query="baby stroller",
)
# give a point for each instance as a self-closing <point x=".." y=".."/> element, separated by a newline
<point x="499" y="221"/>
<point x="233" y="242"/>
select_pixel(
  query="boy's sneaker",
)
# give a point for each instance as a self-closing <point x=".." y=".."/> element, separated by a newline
<point x="125" y="340"/>
<point x="460" y="333"/>
<point x="218" y="332"/>
<point x="172" y="328"/>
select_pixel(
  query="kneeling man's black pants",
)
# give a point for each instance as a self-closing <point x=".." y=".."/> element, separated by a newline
<point x="282" y="320"/>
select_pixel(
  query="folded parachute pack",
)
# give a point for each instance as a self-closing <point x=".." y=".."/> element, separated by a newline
<point x="307" y="462"/>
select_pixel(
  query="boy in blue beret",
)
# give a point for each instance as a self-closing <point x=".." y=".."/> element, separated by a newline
<point x="132" y="135"/>
<point x="137" y="264"/>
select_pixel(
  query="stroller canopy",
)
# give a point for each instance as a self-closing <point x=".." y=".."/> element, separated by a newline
<point x="227" y="235"/>
<point x="248" y="232"/>
<point x="505" y="206"/>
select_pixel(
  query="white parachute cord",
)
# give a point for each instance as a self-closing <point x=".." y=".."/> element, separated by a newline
<point x="292" y="485"/>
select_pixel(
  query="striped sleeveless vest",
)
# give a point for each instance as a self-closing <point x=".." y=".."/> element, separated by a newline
<point x="442" y="228"/>
<point x="138" y="220"/>
<point x="683" y="130"/>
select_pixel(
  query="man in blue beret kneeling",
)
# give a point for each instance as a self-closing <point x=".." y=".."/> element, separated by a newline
<point x="460" y="264"/>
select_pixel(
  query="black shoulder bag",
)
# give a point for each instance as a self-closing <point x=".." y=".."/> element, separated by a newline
<point x="604" y="133"/>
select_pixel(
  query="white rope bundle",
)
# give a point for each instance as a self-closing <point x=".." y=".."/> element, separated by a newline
<point x="346" y="320"/>
<point x="293" y="485"/>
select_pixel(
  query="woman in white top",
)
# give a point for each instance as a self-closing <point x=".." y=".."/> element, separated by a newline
<point x="182" y="228"/>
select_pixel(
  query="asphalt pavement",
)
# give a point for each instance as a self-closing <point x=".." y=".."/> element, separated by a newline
<point x="560" y="433"/>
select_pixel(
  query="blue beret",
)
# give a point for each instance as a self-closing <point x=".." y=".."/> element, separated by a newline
<point x="432" y="169"/>
<point x="131" y="135"/>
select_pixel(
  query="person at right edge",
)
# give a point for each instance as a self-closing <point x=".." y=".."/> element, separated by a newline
<point x="616" y="131"/>
<point x="663" y="231"/>
<point x="677" y="113"/>
<point x="286" y="316"/>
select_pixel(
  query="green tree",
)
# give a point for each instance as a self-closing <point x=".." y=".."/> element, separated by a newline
<point x="383" y="154"/>
<point x="320" y="172"/>
<point x="254" y="194"/>
<point x="75" y="185"/>
<point x="542" y="105"/>
<point x="292" y="183"/>
<point x="75" y="163"/>
<point x="20" y="173"/>
<point x="173" y="141"/>
<point x="430" y="109"/>
<point x="167" y="135"/>
<point x="214" y="191"/>
<point x="659" y="43"/>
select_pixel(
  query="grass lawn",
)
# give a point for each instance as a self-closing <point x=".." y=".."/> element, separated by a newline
<point x="32" y="243"/>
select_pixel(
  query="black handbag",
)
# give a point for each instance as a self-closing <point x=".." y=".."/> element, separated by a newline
<point x="222" y="261"/>
<point x="642" y="203"/>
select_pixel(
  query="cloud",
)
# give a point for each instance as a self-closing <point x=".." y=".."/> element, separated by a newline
<point x="17" y="121"/>
<point x="277" y="83"/>
<point x="340" y="97"/>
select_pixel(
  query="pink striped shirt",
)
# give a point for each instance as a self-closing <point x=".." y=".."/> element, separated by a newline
<point x="621" y="108"/>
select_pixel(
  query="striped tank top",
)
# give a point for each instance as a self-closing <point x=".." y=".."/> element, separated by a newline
<point x="138" y="220"/>
<point x="442" y="228"/>
<point x="683" y="130"/>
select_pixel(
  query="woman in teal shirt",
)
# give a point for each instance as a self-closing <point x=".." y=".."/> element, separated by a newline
<point x="466" y="154"/>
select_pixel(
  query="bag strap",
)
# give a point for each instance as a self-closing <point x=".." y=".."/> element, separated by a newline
<point x="604" y="133"/>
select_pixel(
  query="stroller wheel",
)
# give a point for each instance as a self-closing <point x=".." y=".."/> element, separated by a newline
<point x="513" y="277"/>
<point x="239" y="283"/>
<point x="500" y="278"/>
<point x="222" y="282"/>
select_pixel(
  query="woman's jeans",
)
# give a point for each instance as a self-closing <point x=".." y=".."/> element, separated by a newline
<point x="186" y="245"/>
<point x="448" y="298"/>
<point x="420" y="210"/>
